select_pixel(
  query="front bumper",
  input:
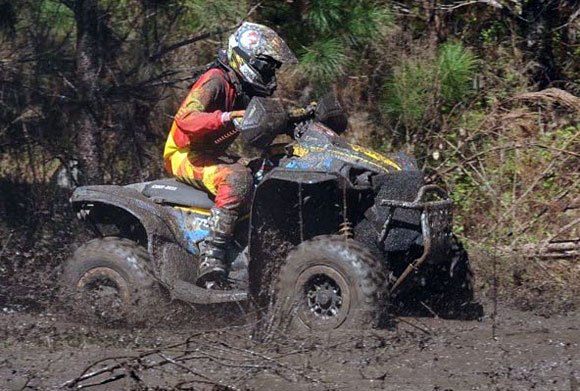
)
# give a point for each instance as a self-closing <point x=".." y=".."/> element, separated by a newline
<point x="436" y="225"/>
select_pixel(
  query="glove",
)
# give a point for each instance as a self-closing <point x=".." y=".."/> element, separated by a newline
<point x="229" y="116"/>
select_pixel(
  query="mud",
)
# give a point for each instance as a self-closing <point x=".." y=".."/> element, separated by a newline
<point x="517" y="351"/>
<point x="533" y="343"/>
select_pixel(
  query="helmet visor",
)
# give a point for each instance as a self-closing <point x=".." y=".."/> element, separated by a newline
<point x="259" y="41"/>
<point x="276" y="48"/>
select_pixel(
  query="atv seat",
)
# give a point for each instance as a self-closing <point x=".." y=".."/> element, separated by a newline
<point x="171" y="191"/>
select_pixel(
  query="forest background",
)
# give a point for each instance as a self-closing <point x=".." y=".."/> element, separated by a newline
<point x="484" y="94"/>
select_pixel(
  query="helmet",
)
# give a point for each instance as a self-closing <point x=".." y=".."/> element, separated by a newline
<point x="254" y="53"/>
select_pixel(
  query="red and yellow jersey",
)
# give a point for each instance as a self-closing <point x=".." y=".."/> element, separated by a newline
<point x="198" y="126"/>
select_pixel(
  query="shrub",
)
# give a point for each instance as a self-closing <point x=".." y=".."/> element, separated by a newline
<point x="456" y="67"/>
<point x="408" y="93"/>
<point x="422" y="88"/>
<point x="324" y="60"/>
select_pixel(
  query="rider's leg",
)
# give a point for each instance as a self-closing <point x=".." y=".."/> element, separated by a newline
<point x="231" y="184"/>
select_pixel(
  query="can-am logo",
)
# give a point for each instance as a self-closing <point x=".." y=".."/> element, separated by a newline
<point x="164" y="187"/>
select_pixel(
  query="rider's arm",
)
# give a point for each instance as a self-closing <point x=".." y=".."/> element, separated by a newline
<point x="204" y="109"/>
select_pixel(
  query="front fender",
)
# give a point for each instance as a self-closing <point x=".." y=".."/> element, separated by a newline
<point x="289" y="207"/>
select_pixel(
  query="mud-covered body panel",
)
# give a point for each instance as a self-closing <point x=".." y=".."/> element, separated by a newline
<point x="319" y="148"/>
<point x="289" y="207"/>
<point x="154" y="218"/>
<point x="162" y="223"/>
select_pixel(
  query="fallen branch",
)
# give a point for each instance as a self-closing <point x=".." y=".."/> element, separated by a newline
<point x="552" y="95"/>
<point x="563" y="229"/>
<point x="199" y="349"/>
<point x="564" y="249"/>
<point x="85" y="375"/>
<point x="415" y="326"/>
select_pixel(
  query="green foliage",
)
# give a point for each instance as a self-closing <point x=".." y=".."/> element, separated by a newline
<point x="456" y="67"/>
<point x="356" y="21"/>
<point x="57" y="15"/>
<point x="325" y="15"/>
<point x="408" y="92"/>
<point x="205" y="15"/>
<point x="369" y="23"/>
<point x="331" y="34"/>
<point x="421" y="84"/>
<point x="493" y="33"/>
<point x="324" y="60"/>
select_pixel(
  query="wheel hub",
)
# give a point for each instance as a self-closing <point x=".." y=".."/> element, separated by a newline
<point x="324" y="299"/>
<point x="324" y="296"/>
<point x="104" y="291"/>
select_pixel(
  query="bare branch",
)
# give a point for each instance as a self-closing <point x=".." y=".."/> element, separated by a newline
<point x="504" y="148"/>
<point x="454" y="6"/>
<point x="195" y="38"/>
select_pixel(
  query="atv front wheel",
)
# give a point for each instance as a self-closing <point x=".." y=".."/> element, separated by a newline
<point x="330" y="283"/>
<point x="109" y="281"/>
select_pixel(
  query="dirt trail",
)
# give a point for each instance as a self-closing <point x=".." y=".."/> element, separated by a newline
<point x="41" y="352"/>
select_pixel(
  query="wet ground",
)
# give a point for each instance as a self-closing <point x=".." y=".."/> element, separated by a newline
<point x="519" y="351"/>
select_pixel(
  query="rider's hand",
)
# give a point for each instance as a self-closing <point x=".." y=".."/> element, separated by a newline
<point x="229" y="116"/>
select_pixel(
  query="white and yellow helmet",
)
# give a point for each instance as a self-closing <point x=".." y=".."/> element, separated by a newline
<point x="254" y="53"/>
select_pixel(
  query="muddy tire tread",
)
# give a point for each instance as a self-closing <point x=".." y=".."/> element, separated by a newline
<point x="366" y="268"/>
<point x="107" y="252"/>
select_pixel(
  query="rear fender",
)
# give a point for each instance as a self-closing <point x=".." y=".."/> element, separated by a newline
<point x="159" y="223"/>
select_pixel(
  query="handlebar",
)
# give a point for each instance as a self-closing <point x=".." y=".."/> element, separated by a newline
<point x="302" y="114"/>
<point x="294" y="115"/>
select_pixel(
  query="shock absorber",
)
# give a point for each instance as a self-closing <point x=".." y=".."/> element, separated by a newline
<point x="346" y="229"/>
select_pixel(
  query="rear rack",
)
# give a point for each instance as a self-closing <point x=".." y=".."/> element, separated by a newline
<point x="436" y="224"/>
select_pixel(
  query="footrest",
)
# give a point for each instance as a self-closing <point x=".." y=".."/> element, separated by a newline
<point x="186" y="291"/>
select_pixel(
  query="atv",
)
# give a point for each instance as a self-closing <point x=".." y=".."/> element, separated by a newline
<point x="335" y="233"/>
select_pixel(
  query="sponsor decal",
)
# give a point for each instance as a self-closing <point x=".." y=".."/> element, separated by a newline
<point x="249" y="39"/>
<point x="164" y="187"/>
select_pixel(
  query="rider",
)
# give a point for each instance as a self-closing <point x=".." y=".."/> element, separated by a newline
<point x="203" y="129"/>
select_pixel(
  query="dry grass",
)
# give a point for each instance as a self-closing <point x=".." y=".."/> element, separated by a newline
<point x="516" y="182"/>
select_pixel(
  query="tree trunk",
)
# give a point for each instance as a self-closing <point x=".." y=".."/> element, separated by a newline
<point x="434" y="25"/>
<point x="88" y="66"/>
<point x="539" y="18"/>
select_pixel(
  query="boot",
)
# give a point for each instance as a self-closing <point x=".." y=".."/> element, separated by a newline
<point x="213" y="268"/>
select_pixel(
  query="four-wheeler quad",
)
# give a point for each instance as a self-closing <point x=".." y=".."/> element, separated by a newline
<point x="335" y="232"/>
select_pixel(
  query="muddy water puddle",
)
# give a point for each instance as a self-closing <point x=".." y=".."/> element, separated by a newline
<point x="522" y="351"/>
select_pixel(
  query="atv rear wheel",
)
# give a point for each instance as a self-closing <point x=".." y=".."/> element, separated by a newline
<point x="330" y="283"/>
<point x="109" y="281"/>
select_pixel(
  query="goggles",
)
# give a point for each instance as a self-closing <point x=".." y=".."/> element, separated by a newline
<point x="266" y="66"/>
